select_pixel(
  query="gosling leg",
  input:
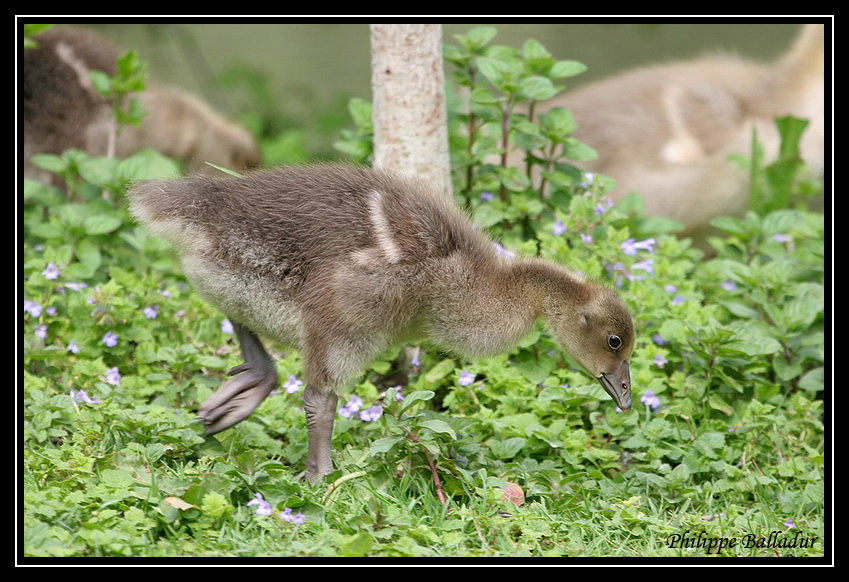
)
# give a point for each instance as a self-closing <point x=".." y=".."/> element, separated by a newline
<point x="320" y="407"/>
<point x="251" y="383"/>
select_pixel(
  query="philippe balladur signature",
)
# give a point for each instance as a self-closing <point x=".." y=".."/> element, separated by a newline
<point x="775" y="539"/>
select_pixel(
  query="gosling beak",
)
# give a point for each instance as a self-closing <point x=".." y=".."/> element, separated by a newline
<point x="618" y="385"/>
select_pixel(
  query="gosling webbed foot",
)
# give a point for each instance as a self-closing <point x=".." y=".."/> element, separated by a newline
<point x="239" y="396"/>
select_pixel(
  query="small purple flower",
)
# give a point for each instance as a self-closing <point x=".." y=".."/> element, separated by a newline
<point x="51" y="272"/>
<point x="660" y="361"/>
<point x="226" y="326"/>
<point x="165" y="293"/>
<point x="486" y="196"/>
<point x="630" y="247"/>
<point x="110" y="339"/>
<point x="649" y="399"/>
<point x="75" y="286"/>
<point x="50" y="310"/>
<point x="292" y="385"/>
<point x="728" y="285"/>
<point x="263" y="507"/>
<point x="151" y="312"/>
<point x="371" y="413"/>
<point x="559" y="227"/>
<point x="587" y="238"/>
<point x="588" y="180"/>
<point x="415" y="359"/>
<point x="73" y="347"/>
<point x="670" y="288"/>
<point x="502" y="251"/>
<point x="352" y="406"/>
<point x="297" y="519"/>
<point x="81" y="396"/>
<point x="41" y="331"/>
<point x="32" y="307"/>
<point x="677" y="300"/>
<point x="658" y="339"/>
<point x="646" y="265"/>
<point x="398" y="396"/>
<point x="782" y="238"/>
<point x="466" y="378"/>
<point x="789" y="523"/>
<point x="113" y="376"/>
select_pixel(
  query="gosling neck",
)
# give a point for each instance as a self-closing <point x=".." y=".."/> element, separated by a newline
<point x="549" y="289"/>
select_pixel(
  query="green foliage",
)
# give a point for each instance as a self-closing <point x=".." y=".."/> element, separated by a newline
<point x="128" y="78"/>
<point x="726" y="439"/>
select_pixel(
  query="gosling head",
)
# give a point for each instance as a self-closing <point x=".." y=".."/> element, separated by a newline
<point x="599" y="334"/>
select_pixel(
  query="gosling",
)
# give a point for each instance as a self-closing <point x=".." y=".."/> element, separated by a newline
<point x="343" y="262"/>
<point x="62" y="110"/>
<point x="666" y="130"/>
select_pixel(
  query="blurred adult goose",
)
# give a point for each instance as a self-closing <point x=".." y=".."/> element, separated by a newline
<point x="343" y="262"/>
<point x="62" y="109"/>
<point x="666" y="130"/>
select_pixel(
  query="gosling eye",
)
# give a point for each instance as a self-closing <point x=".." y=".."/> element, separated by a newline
<point x="614" y="341"/>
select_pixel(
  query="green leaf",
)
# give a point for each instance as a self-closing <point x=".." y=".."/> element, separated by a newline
<point x="717" y="403"/>
<point x="790" y="129"/>
<point x="477" y="37"/>
<point x="147" y="164"/>
<point x="88" y="253"/>
<point x="213" y="362"/>
<point x="487" y="215"/>
<point x="533" y="49"/>
<point x="361" y="112"/>
<point x="101" y="82"/>
<point x="558" y="124"/>
<point x="49" y="162"/>
<point x="537" y="88"/>
<point x="416" y="396"/>
<point x="813" y="381"/>
<point x="439" y="426"/>
<point x="709" y="443"/>
<point x="356" y="545"/>
<point x="100" y="171"/>
<point x="678" y="476"/>
<point x="439" y="371"/>
<point x="508" y="448"/>
<point x="101" y="224"/>
<point x="494" y="70"/>
<point x="47" y="230"/>
<point x="116" y="478"/>
<point x="729" y="225"/>
<point x="384" y="444"/>
<point x="31" y="29"/>
<point x="578" y="151"/>
<point x="563" y="69"/>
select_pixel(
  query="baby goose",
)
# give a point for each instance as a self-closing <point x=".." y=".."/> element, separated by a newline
<point x="343" y="262"/>
<point x="62" y="110"/>
<point x="666" y="130"/>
